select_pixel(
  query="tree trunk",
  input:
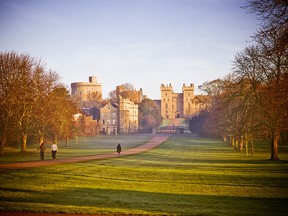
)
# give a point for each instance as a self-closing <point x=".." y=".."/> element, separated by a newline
<point x="246" y="146"/>
<point x="232" y="141"/>
<point x="24" y="142"/>
<point x="240" y="149"/>
<point x="56" y="138"/>
<point x="252" y="147"/>
<point x="236" y="142"/>
<point x="2" y="143"/>
<point x="274" y="146"/>
<point x="41" y="138"/>
<point x="66" y="141"/>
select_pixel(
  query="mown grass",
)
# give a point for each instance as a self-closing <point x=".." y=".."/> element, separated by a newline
<point x="165" y="122"/>
<point x="82" y="146"/>
<point x="183" y="176"/>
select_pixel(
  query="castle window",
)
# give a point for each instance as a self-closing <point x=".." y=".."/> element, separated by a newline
<point x="103" y="121"/>
<point x="166" y="106"/>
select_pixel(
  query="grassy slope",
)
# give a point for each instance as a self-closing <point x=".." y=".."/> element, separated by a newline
<point x="183" y="176"/>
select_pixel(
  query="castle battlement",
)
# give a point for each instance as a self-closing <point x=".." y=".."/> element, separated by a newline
<point x="179" y="105"/>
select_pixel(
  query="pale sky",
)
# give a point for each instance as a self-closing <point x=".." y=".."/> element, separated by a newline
<point x="142" y="42"/>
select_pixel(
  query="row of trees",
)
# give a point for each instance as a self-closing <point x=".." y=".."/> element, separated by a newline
<point x="252" y="101"/>
<point x="32" y="101"/>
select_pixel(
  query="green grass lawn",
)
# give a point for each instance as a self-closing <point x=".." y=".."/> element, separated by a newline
<point x="81" y="146"/>
<point x="165" y="122"/>
<point x="184" y="176"/>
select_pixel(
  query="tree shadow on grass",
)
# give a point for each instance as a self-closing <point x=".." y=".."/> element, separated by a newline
<point x="152" y="156"/>
<point x="151" y="202"/>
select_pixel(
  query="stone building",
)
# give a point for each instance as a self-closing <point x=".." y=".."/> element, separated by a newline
<point x="127" y="116"/>
<point x="86" y="93"/>
<point x="108" y="119"/>
<point x="181" y="105"/>
<point x="123" y="116"/>
<point x="128" y="109"/>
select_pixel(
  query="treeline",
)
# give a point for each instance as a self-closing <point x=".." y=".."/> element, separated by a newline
<point x="252" y="102"/>
<point x="33" y="103"/>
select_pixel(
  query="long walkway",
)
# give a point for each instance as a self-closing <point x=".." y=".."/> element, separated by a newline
<point x="154" y="142"/>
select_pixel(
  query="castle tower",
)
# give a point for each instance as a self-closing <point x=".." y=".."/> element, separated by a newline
<point x="188" y="95"/>
<point x="166" y="101"/>
<point x="182" y="105"/>
<point x="171" y="103"/>
<point x="80" y="91"/>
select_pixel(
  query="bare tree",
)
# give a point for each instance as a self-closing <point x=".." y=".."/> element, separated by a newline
<point x="62" y="123"/>
<point x="94" y="99"/>
<point x="125" y="90"/>
<point x="265" y="73"/>
<point x="272" y="13"/>
<point x="28" y="102"/>
<point x="149" y="115"/>
<point x="17" y="71"/>
<point x="12" y="67"/>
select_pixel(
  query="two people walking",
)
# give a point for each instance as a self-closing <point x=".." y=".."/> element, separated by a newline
<point x="42" y="148"/>
<point x="54" y="149"/>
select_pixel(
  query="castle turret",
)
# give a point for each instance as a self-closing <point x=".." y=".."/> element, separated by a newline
<point x="80" y="91"/>
<point x="166" y="101"/>
<point x="188" y="95"/>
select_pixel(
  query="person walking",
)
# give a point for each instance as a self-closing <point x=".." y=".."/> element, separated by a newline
<point x="119" y="149"/>
<point x="54" y="149"/>
<point x="42" y="149"/>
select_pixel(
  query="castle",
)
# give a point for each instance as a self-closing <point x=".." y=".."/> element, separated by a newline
<point x="120" y="117"/>
<point x="181" y="105"/>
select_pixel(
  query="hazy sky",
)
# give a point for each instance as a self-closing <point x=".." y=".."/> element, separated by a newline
<point x="142" y="42"/>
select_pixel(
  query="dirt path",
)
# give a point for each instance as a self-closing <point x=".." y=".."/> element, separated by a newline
<point x="154" y="142"/>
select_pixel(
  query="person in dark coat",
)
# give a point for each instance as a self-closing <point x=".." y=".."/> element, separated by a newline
<point x="42" y="149"/>
<point x="119" y="149"/>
